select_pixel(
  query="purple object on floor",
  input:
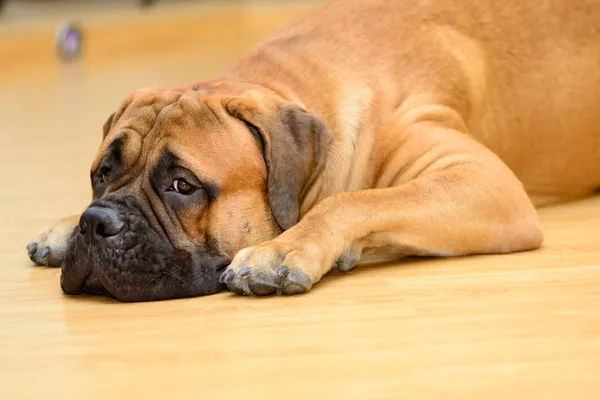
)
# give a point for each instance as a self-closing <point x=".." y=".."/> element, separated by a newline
<point x="69" y="42"/>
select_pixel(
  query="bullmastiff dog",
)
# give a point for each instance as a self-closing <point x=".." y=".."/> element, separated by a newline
<point x="410" y="128"/>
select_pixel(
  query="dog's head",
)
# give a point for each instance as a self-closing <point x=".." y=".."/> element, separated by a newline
<point x="183" y="180"/>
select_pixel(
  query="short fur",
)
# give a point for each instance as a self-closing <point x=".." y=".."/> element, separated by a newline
<point x="410" y="128"/>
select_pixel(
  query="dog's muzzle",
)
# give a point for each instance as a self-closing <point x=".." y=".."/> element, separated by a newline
<point x="116" y="252"/>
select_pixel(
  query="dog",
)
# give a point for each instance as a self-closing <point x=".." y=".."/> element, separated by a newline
<point x="408" y="128"/>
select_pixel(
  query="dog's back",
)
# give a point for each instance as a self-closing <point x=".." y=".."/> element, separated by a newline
<point x="525" y="76"/>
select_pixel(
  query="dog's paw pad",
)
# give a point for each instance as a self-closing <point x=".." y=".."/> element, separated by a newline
<point x="348" y="260"/>
<point x="270" y="269"/>
<point x="51" y="246"/>
<point x="32" y="249"/>
<point x="44" y="255"/>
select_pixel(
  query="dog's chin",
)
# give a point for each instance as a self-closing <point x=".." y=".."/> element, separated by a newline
<point x="93" y="285"/>
<point x="132" y="270"/>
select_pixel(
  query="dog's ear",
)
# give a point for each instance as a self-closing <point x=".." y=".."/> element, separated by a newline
<point x="294" y="143"/>
<point x="108" y="124"/>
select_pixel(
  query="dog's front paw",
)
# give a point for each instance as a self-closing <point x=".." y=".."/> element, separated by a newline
<point x="51" y="245"/>
<point x="277" y="267"/>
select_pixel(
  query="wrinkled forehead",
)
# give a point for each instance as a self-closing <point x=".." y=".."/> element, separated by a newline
<point x="136" y="118"/>
<point x="133" y="121"/>
<point x="189" y="125"/>
<point x="139" y="112"/>
<point x="197" y="131"/>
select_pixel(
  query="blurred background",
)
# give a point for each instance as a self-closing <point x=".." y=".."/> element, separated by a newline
<point x="65" y="65"/>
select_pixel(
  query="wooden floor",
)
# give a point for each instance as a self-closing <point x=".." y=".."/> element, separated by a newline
<point x="521" y="326"/>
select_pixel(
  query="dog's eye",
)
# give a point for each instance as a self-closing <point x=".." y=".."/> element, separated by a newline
<point x="182" y="186"/>
<point x="104" y="174"/>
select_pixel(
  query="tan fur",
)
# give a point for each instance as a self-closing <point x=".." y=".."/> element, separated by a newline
<point x="450" y="121"/>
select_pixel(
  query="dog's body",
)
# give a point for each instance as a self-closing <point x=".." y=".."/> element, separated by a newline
<point x="411" y="128"/>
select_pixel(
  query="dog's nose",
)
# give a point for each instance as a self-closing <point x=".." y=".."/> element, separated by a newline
<point x="97" y="223"/>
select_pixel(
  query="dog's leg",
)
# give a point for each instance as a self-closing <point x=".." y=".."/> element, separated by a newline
<point x="438" y="192"/>
<point x="51" y="245"/>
